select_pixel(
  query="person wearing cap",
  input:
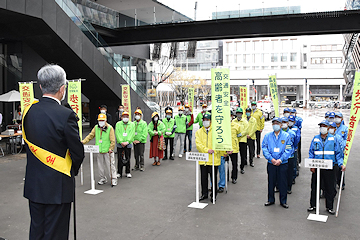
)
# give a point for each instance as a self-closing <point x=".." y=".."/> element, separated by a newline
<point x="203" y="141"/>
<point x="156" y="129"/>
<point x="277" y="149"/>
<point x="295" y="129"/>
<point x="342" y="131"/>
<point x="180" y="131"/>
<point x="325" y="146"/>
<point x="251" y="135"/>
<point x="331" y="117"/>
<point x="327" y="115"/>
<point x="199" y="117"/>
<point x="140" y="139"/>
<point x="287" y="112"/>
<point x="243" y="137"/>
<point x="105" y="139"/>
<point x="103" y="109"/>
<point x="125" y="134"/>
<point x="169" y="134"/>
<point x="260" y="123"/>
<point x="298" y="124"/>
<point x="189" y="126"/>
<point x="292" y="159"/>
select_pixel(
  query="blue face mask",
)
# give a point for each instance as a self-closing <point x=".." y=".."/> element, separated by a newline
<point x="276" y="127"/>
<point x="248" y="114"/>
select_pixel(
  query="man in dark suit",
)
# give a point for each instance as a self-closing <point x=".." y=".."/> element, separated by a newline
<point x="54" y="128"/>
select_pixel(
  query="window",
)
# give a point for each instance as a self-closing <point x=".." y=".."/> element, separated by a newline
<point x="292" y="67"/>
<point x="238" y="46"/>
<point x="257" y="46"/>
<point x="265" y="67"/>
<point x="266" y="45"/>
<point x="248" y="46"/>
<point x="247" y="58"/>
<point x="274" y="67"/>
<point x="227" y="59"/>
<point x="305" y="57"/>
<point x="228" y="46"/>
<point x="274" y="57"/>
<point x="285" y="44"/>
<point x="246" y="68"/>
<point x="238" y="68"/>
<point x="275" y="45"/>
<point x="235" y="58"/>
<point x="292" y="57"/>
<point x="283" y="57"/>
<point x="283" y="67"/>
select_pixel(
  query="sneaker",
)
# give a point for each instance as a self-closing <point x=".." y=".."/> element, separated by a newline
<point x="135" y="168"/>
<point x="234" y="181"/>
<point x="310" y="209"/>
<point x="331" y="211"/>
<point x="102" y="181"/>
<point x="180" y="155"/>
<point x="142" y="168"/>
<point x="114" y="182"/>
<point x="221" y="189"/>
<point x="173" y="155"/>
<point x="242" y="171"/>
<point x="128" y="175"/>
<point x="171" y="158"/>
<point x="184" y="151"/>
<point x="252" y="164"/>
<point x="158" y="163"/>
<point x="165" y="158"/>
<point x="118" y="175"/>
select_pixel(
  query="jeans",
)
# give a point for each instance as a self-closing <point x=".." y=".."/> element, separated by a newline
<point x="167" y="140"/>
<point x="139" y="150"/>
<point x="181" y="137"/>
<point x="188" y="135"/>
<point x="222" y="173"/>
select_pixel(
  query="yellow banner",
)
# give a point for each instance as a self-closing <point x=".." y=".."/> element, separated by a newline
<point x="126" y="102"/>
<point x="274" y="94"/>
<point x="191" y="98"/>
<point x="220" y="113"/>
<point x="74" y="100"/>
<point x="354" y="116"/>
<point x="243" y="98"/>
<point x="26" y="95"/>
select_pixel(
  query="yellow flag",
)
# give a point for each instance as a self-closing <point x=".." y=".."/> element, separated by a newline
<point x="191" y="98"/>
<point x="74" y="100"/>
<point x="274" y="94"/>
<point x="243" y="98"/>
<point x="220" y="113"/>
<point x="354" y="116"/>
<point x="26" y="95"/>
<point x="126" y="102"/>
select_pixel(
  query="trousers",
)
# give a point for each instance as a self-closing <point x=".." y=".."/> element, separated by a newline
<point x="258" y="143"/>
<point x="181" y="137"/>
<point x="188" y="135"/>
<point x="251" y="144"/>
<point x="222" y="173"/>
<point x="124" y="155"/>
<point x="139" y="150"/>
<point x="171" y="142"/>
<point x="277" y="175"/>
<point x="243" y="154"/>
<point x="328" y="178"/>
<point x="103" y="160"/>
<point x="290" y="173"/>
<point x="205" y="171"/>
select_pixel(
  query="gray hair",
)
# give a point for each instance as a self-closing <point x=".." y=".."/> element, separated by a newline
<point x="51" y="78"/>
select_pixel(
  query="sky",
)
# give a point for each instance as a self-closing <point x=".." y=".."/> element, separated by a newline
<point x="206" y="7"/>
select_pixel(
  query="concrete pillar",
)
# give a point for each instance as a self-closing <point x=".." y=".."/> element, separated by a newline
<point x="341" y="93"/>
<point x="308" y="94"/>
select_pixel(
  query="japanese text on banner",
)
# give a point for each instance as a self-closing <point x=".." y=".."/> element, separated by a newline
<point x="26" y="95"/>
<point x="191" y="98"/>
<point x="274" y="94"/>
<point x="74" y="100"/>
<point x="354" y="116"/>
<point x="125" y="96"/>
<point x="243" y="98"/>
<point x="220" y="113"/>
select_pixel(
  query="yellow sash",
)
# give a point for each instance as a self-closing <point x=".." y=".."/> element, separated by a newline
<point x="50" y="159"/>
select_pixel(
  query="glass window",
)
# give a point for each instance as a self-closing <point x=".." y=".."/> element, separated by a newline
<point x="235" y="58"/>
<point x="274" y="67"/>
<point x="257" y="58"/>
<point x="257" y="46"/>
<point x="292" y="57"/>
<point x="266" y="45"/>
<point x="305" y="57"/>
<point x="285" y="44"/>
<point x="265" y="67"/>
<point x="283" y="57"/>
<point x="292" y="67"/>
<point x="247" y="58"/>
<point x="246" y="68"/>
<point x="283" y="67"/>
<point x="228" y="46"/>
<point x="227" y="59"/>
<point x="238" y="46"/>
<point x="274" y="57"/>
<point x="248" y="46"/>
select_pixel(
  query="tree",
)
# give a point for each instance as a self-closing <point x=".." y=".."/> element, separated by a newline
<point x="181" y="81"/>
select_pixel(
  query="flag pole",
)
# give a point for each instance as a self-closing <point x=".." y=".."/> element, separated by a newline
<point x="338" y="203"/>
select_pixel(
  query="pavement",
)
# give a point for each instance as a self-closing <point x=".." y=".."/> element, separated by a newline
<point x="153" y="204"/>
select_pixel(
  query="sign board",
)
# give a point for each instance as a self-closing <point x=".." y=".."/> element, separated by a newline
<point x="194" y="156"/>
<point x="91" y="148"/>
<point x="318" y="163"/>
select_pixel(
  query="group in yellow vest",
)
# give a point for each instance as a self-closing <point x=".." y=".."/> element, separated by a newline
<point x="260" y="123"/>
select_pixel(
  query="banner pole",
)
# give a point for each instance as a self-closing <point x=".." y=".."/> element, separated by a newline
<point x="213" y="178"/>
<point x="317" y="190"/>
<point x="92" y="171"/>
<point x="338" y="203"/>
<point x="226" y="175"/>
<point x="197" y="181"/>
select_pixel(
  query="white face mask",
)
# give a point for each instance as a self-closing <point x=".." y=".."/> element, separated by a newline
<point x="103" y="111"/>
<point x="168" y="116"/>
<point x="337" y="120"/>
<point x="286" y="114"/>
<point x="206" y="124"/>
<point x="125" y="120"/>
<point x="204" y="109"/>
<point x="121" y="110"/>
<point x="156" y="118"/>
<point x="181" y="112"/>
<point x="331" y="119"/>
<point x="101" y="123"/>
<point x="187" y="110"/>
<point x="292" y="114"/>
<point x="284" y="125"/>
<point x="291" y="123"/>
<point x="331" y="130"/>
<point x="137" y="117"/>
<point x="323" y="130"/>
<point x="327" y="118"/>
<point x="253" y="107"/>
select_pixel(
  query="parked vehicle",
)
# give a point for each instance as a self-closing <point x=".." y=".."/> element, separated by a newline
<point x="233" y="100"/>
<point x="267" y="108"/>
<point x="297" y="103"/>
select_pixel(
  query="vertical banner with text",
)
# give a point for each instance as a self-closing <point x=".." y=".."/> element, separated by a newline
<point x="274" y="94"/>
<point x="354" y="116"/>
<point x="74" y="100"/>
<point x="125" y="97"/>
<point x="26" y="94"/>
<point x="243" y="98"/>
<point x="220" y="113"/>
<point x="191" y="98"/>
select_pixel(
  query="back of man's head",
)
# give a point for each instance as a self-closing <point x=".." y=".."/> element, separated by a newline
<point x="51" y="77"/>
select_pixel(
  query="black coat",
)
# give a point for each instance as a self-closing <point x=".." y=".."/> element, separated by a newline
<point x="54" y="128"/>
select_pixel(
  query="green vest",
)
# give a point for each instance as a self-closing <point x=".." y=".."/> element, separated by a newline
<point x="199" y="119"/>
<point x="180" y="123"/>
<point x="188" y="117"/>
<point x="103" y="139"/>
<point x="169" y="125"/>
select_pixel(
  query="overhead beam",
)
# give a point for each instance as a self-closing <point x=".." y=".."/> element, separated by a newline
<point x="336" y="22"/>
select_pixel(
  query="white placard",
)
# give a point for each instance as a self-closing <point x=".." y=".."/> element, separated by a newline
<point x="194" y="156"/>
<point x="318" y="163"/>
<point x="91" y="148"/>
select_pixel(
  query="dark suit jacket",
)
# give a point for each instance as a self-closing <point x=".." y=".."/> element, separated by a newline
<point x="54" y="128"/>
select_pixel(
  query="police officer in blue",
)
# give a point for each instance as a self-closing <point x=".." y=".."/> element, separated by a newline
<point x="298" y="124"/>
<point x="331" y="117"/>
<point x="297" y="132"/>
<point x="287" y="112"/>
<point x="327" y="115"/>
<point x="277" y="149"/>
<point x="342" y="131"/>
<point x="325" y="146"/>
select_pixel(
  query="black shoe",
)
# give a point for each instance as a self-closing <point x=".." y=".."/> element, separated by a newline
<point x="343" y="188"/>
<point x="331" y="211"/>
<point x="234" y="181"/>
<point x="252" y="164"/>
<point x="165" y="158"/>
<point x="293" y="182"/>
<point x="171" y="158"/>
<point x="221" y="189"/>
<point x="269" y="204"/>
<point x="242" y="171"/>
<point x="289" y="192"/>
<point x="284" y="205"/>
<point x="310" y="209"/>
<point x="203" y="197"/>
<point x="184" y="151"/>
<point x="258" y="156"/>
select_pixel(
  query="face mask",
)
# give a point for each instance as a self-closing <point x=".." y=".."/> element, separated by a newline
<point x="121" y="110"/>
<point x="248" y="114"/>
<point x="286" y="114"/>
<point x="276" y="128"/>
<point x="204" y="109"/>
<point x="156" y="118"/>
<point x="103" y="111"/>
<point x="323" y="130"/>
<point x="137" y="117"/>
<point x="337" y="120"/>
<point x="125" y="120"/>
<point x="292" y="114"/>
<point x="168" y="116"/>
<point x="239" y="116"/>
<point x="253" y="107"/>
<point x="291" y="124"/>
<point x="327" y="118"/>
<point x="284" y="126"/>
<point x="331" y="119"/>
<point x="331" y="130"/>
<point x="101" y="123"/>
<point x="206" y="124"/>
<point x="181" y="112"/>
<point x="187" y="110"/>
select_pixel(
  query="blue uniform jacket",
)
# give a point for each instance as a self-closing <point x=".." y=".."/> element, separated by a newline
<point x="342" y="143"/>
<point x="297" y="132"/>
<point x="292" y="135"/>
<point x="328" y="149"/>
<point x="342" y="131"/>
<point x="298" y="122"/>
<point x="279" y="148"/>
